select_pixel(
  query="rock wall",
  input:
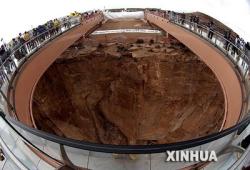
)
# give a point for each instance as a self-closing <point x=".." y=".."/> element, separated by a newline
<point x="129" y="94"/>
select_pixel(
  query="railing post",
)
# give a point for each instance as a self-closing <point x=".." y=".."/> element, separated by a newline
<point x="14" y="65"/>
<point x="6" y="75"/>
<point x="6" y="99"/>
<point x="215" y="41"/>
<point x="244" y="76"/>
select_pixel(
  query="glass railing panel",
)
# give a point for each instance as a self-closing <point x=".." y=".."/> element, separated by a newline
<point x="218" y="144"/>
<point x="158" y="161"/>
<point x="224" y="162"/>
<point x="78" y="157"/>
<point x="15" y="145"/>
<point x="44" y="166"/>
<point x="53" y="150"/>
<point x="2" y="125"/>
<point x="243" y="161"/>
<point x="10" y="165"/>
<point x="107" y="161"/>
<point x="5" y="71"/>
<point x="137" y="161"/>
<point x="8" y="135"/>
<point x="242" y="135"/>
<point x="35" y="140"/>
<point x="25" y="155"/>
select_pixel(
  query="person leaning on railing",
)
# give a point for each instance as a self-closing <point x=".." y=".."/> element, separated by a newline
<point x="66" y="22"/>
<point x="15" y="47"/>
<point x="33" y="41"/>
<point x="47" y="32"/>
<point x="56" y="24"/>
<point x="26" y="37"/>
<point x="50" y="26"/>
<point x="41" y="29"/>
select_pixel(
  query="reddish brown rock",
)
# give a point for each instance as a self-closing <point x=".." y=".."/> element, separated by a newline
<point x="114" y="95"/>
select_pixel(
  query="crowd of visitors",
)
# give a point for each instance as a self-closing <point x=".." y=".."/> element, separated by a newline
<point x="20" y="46"/>
<point x="232" y="41"/>
<point x="29" y="40"/>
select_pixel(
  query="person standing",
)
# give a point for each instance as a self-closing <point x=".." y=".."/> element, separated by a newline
<point x="247" y="49"/>
<point x="211" y="30"/>
<point x="22" y="49"/>
<point x="196" y="21"/>
<point x="26" y="37"/>
<point x="198" y="24"/>
<point x="236" y="42"/>
<point x="227" y="36"/>
<point x="56" y="24"/>
<point x="191" y="20"/>
<point x="183" y="19"/>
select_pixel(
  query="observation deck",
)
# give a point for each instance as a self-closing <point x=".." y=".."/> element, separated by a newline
<point x="30" y="148"/>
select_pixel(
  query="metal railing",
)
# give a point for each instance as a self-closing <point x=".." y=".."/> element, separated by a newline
<point x="57" y="147"/>
<point x="20" y="53"/>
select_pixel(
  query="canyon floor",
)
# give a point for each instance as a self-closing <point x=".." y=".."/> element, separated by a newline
<point x="129" y="89"/>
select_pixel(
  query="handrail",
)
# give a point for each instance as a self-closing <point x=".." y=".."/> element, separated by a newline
<point x="176" y="13"/>
<point x="12" y="156"/>
<point x="178" y="20"/>
<point x="218" y="34"/>
<point x="128" y="149"/>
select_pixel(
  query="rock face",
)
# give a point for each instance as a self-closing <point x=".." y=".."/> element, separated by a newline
<point x="134" y="94"/>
